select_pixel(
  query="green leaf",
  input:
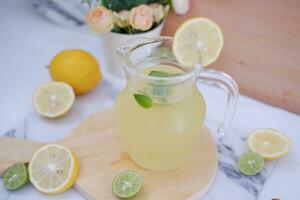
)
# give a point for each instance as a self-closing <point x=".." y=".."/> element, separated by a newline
<point x="163" y="74"/>
<point x="118" y="5"/>
<point x="164" y="2"/>
<point x="143" y="100"/>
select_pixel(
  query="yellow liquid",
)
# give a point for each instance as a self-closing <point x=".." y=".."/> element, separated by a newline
<point x="162" y="137"/>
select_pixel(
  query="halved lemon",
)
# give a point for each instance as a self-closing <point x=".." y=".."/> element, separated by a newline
<point x="198" y="40"/>
<point x="53" y="169"/>
<point x="53" y="99"/>
<point x="269" y="143"/>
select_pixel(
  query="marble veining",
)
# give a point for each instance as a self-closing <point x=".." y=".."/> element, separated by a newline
<point x="229" y="177"/>
<point x="58" y="13"/>
<point x="19" y="131"/>
<point x="10" y="133"/>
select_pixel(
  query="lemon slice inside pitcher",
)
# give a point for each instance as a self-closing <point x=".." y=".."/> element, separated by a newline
<point x="198" y="40"/>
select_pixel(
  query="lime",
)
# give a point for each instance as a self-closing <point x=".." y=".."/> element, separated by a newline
<point x="127" y="184"/>
<point x="250" y="163"/>
<point x="15" y="176"/>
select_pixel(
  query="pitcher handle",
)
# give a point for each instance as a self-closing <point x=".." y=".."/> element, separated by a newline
<point x="224" y="82"/>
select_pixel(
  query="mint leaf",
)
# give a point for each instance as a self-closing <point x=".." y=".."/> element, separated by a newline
<point x="163" y="74"/>
<point x="143" y="100"/>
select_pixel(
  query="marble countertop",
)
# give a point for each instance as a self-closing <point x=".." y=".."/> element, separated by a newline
<point x="28" y="42"/>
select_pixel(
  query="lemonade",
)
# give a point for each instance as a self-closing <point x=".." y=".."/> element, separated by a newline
<point x="160" y="113"/>
<point x="162" y="137"/>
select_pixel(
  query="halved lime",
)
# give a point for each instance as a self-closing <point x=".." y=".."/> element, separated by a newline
<point x="127" y="184"/>
<point x="251" y="163"/>
<point x="15" y="176"/>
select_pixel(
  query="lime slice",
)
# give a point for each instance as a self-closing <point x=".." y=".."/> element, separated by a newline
<point x="127" y="184"/>
<point x="15" y="176"/>
<point x="269" y="143"/>
<point x="250" y="163"/>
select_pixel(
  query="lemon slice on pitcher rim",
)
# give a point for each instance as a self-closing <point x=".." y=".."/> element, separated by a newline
<point x="269" y="143"/>
<point x="53" y="169"/>
<point x="53" y="99"/>
<point x="198" y="40"/>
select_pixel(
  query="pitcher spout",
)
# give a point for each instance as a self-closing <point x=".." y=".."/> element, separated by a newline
<point x="129" y="45"/>
<point x="136" y="50"/>
<point x="124" y="51"/>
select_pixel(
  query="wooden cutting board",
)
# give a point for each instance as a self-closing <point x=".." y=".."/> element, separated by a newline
<point x="262" y="45"/>
<point x="102" y="155"/>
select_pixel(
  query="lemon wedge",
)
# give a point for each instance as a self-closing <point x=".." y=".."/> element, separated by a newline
<point x="53" y="99"/>
<point x="198" y="40"/>
<point x="53" y="169"/>
<point x="269" y="143"/>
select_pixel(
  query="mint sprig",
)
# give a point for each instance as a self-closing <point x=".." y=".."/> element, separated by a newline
<point x="143" y="100"/>
<point x="163" y="74"/>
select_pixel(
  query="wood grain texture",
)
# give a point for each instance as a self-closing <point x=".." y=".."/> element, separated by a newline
<point x="14" y="150"/>
<point x="262" y="46"/>
<point x="102" y="155"/>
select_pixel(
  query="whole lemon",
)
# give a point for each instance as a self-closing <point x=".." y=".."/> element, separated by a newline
<point x="76" y="67"/>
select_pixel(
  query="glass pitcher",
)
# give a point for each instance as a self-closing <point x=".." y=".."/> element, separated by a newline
<point x="160" y="113"/>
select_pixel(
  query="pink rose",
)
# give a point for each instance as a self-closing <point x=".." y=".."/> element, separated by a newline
<point x="158" y="11"/>
<point x="100" y="19"/>
<point x="141" y="17"/>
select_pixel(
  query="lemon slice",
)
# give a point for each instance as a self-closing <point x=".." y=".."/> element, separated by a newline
<point x="53" y="169"/>
<point x="269" y="143"/>
<point x="53" y="99"/>
<point x="197" y="40"/>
